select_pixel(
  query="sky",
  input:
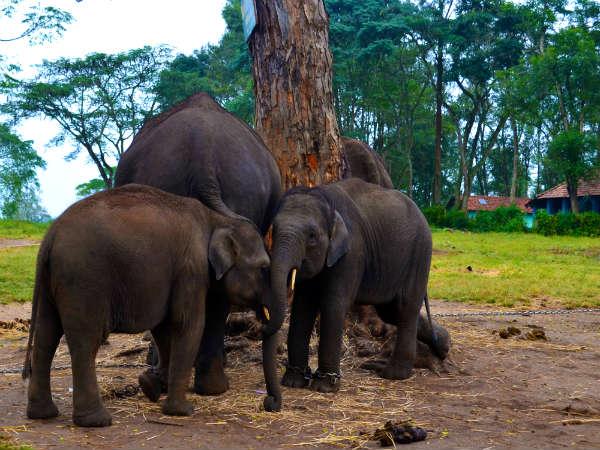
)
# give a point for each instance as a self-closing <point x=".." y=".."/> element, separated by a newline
<point x="107" y="26"/>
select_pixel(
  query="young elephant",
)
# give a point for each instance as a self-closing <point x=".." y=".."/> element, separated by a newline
<point x="351" y="242"/>
<point x="128" y="260"/>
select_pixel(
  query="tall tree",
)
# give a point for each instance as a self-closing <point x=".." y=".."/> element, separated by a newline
<point x="99" y="101"/>
<point x="294" y="108"/>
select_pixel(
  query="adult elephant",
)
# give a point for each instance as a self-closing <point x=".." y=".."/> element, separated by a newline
<point x="364" y="163"/>
<point x="350" y="242"/>
<point x="198" y="149"/>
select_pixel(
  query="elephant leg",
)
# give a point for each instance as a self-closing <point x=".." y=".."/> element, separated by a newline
<point x="402" y="360"/>
<point x="88" y="410"/>
<point x="188" y="304"/>
<point x="209" y="376"/>
<point x="331" y="329"/>
<point x="47" y="336"/>
<point x="302" y="323"/>
<point x="154" y="381"/>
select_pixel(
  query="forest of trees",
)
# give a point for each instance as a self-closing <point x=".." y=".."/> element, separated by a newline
<point x="460" y="97"/>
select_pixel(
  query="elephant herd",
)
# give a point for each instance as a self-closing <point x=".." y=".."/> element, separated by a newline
<point x="179" y="240"/>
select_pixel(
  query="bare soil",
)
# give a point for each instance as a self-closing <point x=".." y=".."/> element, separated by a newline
<point x="493" y="392"/>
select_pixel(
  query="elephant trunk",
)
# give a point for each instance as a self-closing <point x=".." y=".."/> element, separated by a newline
<point x="281" y="265"/>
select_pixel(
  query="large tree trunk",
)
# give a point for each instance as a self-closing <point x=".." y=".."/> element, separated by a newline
<point x="293" y="86"/>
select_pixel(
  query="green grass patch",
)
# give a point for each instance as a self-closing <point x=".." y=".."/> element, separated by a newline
<point x="17" y="273"/>
<point x="511" y="269"/>
<point x="7" y="444"/>
<point x="16" y="229"/>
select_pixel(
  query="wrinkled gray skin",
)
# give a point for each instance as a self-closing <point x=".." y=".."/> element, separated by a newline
<point x="198" y="149"/>
<point x="128" y="260"/>
<point x="352" y="242"/>
<point x="364" y="163"/>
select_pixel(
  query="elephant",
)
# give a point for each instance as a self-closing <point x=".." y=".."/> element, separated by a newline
<point x="349" y="242"/>
<point x="198" y="149"/>
<point x="364" y="163"/>
<point x="131" y="259"/>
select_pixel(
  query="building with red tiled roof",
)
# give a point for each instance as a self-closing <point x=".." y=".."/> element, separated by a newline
<point x="489" y="203"/>
<point x="556" y="199"/>
<point x="478" y="203"/>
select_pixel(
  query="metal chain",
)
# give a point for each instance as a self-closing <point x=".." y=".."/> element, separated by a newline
<point x="541" y="312"/>
<point x="519" y="313"/>
<point x="9" y="370"/>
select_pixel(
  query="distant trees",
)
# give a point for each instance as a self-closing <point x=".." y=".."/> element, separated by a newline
<point x="21" y="20"/>
<point x="459" y="97"/>
<point x="99" y="101"/>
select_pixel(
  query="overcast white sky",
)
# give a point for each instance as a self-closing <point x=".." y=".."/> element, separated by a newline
<point x="108" y="26"/>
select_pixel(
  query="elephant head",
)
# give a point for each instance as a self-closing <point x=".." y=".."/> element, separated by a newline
<point x="308" y="235"/>
<point x="241" y="267"/>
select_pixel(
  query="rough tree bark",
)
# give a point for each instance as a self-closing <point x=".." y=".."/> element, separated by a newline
<point x="294" y="109"/>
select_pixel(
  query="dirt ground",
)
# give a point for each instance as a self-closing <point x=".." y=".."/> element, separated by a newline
<point x="493" y="392"/>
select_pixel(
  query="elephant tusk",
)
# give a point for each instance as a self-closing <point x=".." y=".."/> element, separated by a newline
<point x="266" y="313"/>
<point x="293" y="283"/>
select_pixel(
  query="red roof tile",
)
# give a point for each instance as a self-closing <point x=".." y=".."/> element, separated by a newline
<point x="488" y="203"/>
<point x="584" y="188"/>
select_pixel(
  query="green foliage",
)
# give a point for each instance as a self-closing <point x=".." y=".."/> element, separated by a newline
<point x="19" y="229"/>
<point x="572" y="155"/>
<point x="38" y="24"/>
<point x="99" y="101"/>
<point x="438" y="216"/>
<point x="18" y="179"/>
<point x="222" y="70"/>
<point x="507" y="219"/>
<point x="584" y="224"/>
<point x="90" y="187"/>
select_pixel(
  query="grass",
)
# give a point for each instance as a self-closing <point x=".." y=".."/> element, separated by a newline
<point x="16" y="229"/>
<point x="508" y="269"/>
<point x="513" y="269"/>
<point x="17" y="272"/>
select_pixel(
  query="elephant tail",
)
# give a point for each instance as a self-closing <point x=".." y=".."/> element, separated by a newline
<point x="435" y="343"/>
<point x="40" y="294"/>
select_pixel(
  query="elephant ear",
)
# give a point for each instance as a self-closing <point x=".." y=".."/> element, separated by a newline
<point x="339" y="243"/>
<point x="221" y="251"/>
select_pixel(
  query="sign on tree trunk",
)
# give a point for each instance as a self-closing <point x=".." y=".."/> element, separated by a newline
<point x="248" y="17"/>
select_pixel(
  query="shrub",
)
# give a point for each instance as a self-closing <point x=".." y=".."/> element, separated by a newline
<point x="435" y="215"/>
<point x="584" y="224"/>
<point x="507" y="219"/>
<point x="456" y="219"/>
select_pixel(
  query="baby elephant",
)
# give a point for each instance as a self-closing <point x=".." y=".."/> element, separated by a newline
<point x="132" y="259"/>
<point x="350" y="242"/>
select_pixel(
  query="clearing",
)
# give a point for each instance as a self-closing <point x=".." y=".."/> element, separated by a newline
<point x="494" y="393"/>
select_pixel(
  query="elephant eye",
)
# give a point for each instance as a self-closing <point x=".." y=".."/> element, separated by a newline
<point x="312" y="238"/>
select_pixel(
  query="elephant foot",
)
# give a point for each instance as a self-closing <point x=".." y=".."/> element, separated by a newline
<point x="296" y="377"/>
<point x="177" y="407"/>
<point x="396" y="372"/>
<point x="98" y="418"/>
<point x="211" y="382"/>
<point x="326" y="382"/>
<point x="41" y="410"/>
<point x="151" y="385"/>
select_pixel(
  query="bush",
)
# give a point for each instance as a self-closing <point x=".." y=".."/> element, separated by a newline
<point x="435" y="215"/>
<point x="509" y="219"/>
<point x="456" y="219"/>
<point x="584" y="224"/>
